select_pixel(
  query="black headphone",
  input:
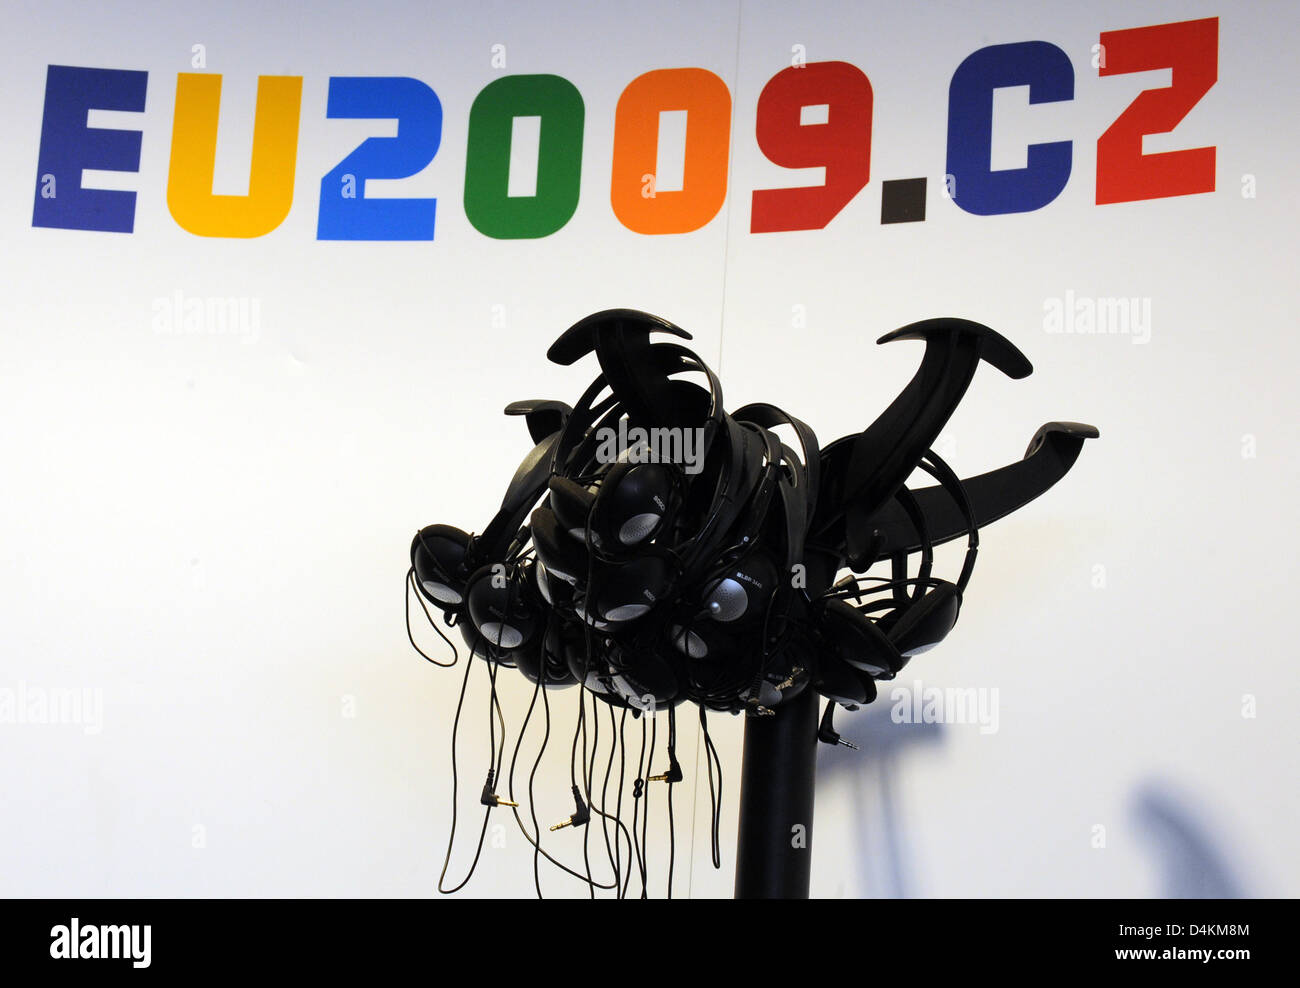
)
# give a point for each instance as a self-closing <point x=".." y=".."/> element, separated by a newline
<point x="483" y="577"/>
<point x="623" y="503"/>
<point x="733" y="590"/>
<point x="797" y="490"/>
<point x="750" y="573"/>
<point x="543" y="660"/>
<point x="614" y="535"/>
<point x="727" y="631"/>
<point x="444" y="557"/>
<point x="617" y="534"/>
<point x="623" y="533"/>
<point x="879" y="646"/>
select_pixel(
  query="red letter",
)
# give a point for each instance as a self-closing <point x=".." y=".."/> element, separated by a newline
<point x="1124" y="173"/>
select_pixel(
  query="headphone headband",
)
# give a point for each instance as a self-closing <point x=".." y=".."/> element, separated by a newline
<point x="584" y="424"/>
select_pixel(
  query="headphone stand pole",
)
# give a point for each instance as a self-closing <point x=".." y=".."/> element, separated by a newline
<point x="777" y="778"/>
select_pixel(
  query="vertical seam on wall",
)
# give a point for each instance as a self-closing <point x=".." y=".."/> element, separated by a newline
<point x="731" y="164"/>
<point x="722" y="323"/>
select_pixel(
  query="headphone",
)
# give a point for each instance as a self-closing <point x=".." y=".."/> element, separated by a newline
<point x="624" y="503"/>
<point x="649" y="582"/>
<point x="623" y="531"/>
<point x="614" y="534"/>
<point x="734" y="588"/>
<point x="445" y="557"/>
<point x="484" y="577"/>
<point x="742" y="603"/>
<point x="877" y="647"/>
<point x="797" y="489"/>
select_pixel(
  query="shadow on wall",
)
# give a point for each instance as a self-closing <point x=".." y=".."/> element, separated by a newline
<point x="872" y="772"/>
<point x="1188" y="849"/>
<point x="1192" y="860"/>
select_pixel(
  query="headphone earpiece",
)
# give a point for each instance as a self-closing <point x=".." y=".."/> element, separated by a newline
<point x="565" y="558"/>
<point x="854" y="638"/>
<point x="592" y="616"/>
<point x="690" y="643"/>
<point x="646" y="682"/>
<point x="635" y="502"/>
<point x="925" y="624"/>
<point x="840" y="682"/>
<point x="556" y="592"/>
<point x="502" y="606"/>
<point x="480" y="646"/>
<point x="740" y="592"/>
<point x="569" y="641"/>
<point x="571" y="502"/>
<point x="709" y="641"/>
<point x="628" y="591"/>
<point x="720" y="660"/>
<point x="544" y="652"/>
<point x="438" y="554"/>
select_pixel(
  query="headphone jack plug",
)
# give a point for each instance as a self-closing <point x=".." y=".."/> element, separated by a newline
<point x="580" y="815"/>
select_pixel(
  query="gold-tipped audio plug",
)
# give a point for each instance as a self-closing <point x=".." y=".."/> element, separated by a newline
<point x="489" y="796"/>
<point x="580" y="815"/>
<point x="674" y="773"/>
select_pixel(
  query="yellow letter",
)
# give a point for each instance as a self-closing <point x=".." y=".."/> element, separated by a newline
<point x="194" y="152"/>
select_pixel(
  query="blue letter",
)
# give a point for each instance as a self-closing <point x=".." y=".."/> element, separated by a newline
<point x="1046" y="70"/>
<point x="68" y="146"/>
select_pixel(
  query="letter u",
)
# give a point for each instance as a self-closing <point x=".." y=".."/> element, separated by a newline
<point x="194" y="151"/>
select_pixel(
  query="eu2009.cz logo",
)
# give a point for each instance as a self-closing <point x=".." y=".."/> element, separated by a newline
<point x="808" y="115"/>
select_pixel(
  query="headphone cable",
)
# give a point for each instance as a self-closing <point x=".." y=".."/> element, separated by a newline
<point x="411" y="588"/>
<point x="455" y="786"/>
<point x="715" y="796"/>
<point x="672" y="827"/>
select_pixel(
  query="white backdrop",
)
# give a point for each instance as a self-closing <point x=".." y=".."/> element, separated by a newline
<point x="204" y="532"/>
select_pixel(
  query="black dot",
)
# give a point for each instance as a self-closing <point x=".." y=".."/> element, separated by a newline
<point x="902" y="201"/>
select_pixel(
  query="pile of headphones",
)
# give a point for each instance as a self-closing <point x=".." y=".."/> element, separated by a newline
<point x="654" y="548"/>
<point x="651" y="578"/>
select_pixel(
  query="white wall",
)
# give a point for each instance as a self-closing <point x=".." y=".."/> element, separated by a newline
<point x="209" y="530"/>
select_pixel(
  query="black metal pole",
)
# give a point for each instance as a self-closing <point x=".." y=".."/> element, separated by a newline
<point x="777" y="777"/>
